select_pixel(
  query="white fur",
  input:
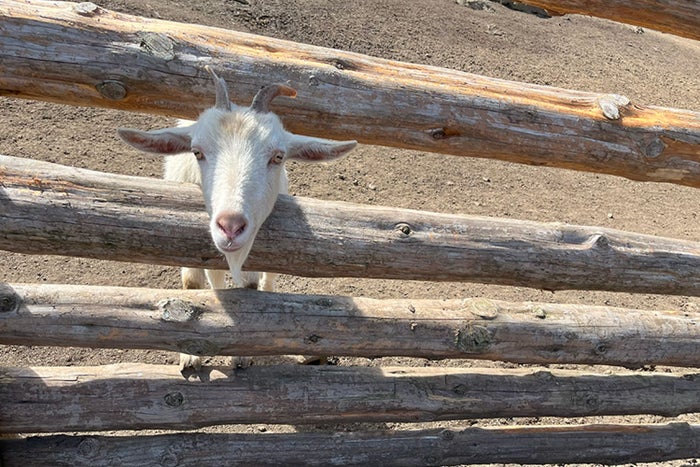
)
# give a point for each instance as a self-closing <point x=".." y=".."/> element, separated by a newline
<point x="184" y="168"/>
<point x="241" y="174"/>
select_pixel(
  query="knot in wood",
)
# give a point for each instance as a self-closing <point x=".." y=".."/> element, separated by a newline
<point x="325" y="302"/>
<point x="592" y="401"/>
<point x="443" y="133"/>
<point x="600" y="349"/>
<point x="599" y="241"/>
<point x="179" y="311"/>
<point x="9" y="300"/>
<point x="610" y="105"/>
<point x="483" y="308"/>
<point x="404" y="230"/>
<point x="343" y="64"/>
<point x="438" y="133"/>
<point x="169" y="459"/>
<point x="174" y="399"/>
<point x="312" y="339"/>
<point x="473" y="339"/>
<point x="88" y="9"/>
<point x="157" y="44"/>
<point x="112" y="89"/>
<point x="655" y="148"/>
<point x="88" y="447"/>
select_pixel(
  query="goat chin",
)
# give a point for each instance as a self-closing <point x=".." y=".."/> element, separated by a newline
<point x="235" y="262"/>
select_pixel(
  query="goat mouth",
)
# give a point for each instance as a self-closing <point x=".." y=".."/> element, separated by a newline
<point x="229" y="247"/>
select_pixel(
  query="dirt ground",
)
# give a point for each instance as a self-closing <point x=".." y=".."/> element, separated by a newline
<point x="572" y="52"/>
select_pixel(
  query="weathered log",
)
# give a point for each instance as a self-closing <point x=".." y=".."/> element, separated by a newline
<point x="138" y="396"/>
<point x="50" y="209"/>
<point x="605" y="444"/>
<point x="244" y="322"/>
<point x="680" y="17"/>
<point x="75" y="54"/>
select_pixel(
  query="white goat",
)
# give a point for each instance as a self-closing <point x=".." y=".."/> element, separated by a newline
<point x="237" y="155"/>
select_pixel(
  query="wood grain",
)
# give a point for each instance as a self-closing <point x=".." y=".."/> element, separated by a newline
<point x="245" y="322"/>
<point x="680" y="17"/>
<point x="81" y="55"/>
<point x="51" y="209"/>
<point x="607" y="444"/>
<point x="139" y="396"/>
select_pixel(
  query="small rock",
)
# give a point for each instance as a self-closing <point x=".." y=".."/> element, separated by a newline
<point x="493" y="30"/>
<point x="475" y="4"/>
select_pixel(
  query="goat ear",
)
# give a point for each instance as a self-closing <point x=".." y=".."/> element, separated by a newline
<point x="166" y="141"/>
<point x="308" y="149"/>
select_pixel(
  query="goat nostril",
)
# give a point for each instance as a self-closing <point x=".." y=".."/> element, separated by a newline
<point x="231" y="224"/>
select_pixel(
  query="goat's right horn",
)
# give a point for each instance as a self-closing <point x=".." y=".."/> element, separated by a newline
<point x="222" y="100"/>
<point x="261" y="101"/>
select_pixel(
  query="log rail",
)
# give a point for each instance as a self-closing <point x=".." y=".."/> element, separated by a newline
<point x="140" y="396"/>
<point x="48" y="208"/>
<point x="82" y="54"/>
<point x="244" y="322"/>
<point x="680" y="17"/>
<point x="607" y="444"/>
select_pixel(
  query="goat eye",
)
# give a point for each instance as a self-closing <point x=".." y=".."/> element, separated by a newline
<point x="277" y="158"/>
<point x="198" y="154"/>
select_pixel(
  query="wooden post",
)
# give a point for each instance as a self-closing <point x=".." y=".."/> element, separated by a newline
<point x="245" y="322"/>
<point x="681" y="17"/>
<point x="606" y="444"/>
<point x="139" y="396"/>
<point x="50" y="209"/>
<point x="85" y="55"/>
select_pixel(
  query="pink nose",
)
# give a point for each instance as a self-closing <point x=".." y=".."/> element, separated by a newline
<point x="231" y="223"/>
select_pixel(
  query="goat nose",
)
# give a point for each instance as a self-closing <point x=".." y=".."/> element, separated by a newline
<point x="232" y="224"/>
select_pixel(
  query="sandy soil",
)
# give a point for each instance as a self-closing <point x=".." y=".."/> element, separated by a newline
<point x="573" y="52"/>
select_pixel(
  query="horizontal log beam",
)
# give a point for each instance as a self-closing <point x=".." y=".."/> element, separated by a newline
<point x="76" y="54"/>
<point x="605" y="444"/>
<point x="51" y="209"/>
<point x="139" y="396"/>
<point x="245" y="322"/>
<point x="680" y="17"/>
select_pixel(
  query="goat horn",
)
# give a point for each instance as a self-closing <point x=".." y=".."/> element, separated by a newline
<point x="261" y="101"/>
<point x="222" y="100"/>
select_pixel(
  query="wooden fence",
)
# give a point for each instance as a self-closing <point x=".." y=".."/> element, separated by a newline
<point x="48" y="208"/>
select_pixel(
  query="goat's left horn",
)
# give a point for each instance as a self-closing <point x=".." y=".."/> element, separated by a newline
<point x="261" y="101"/>
<point x="222" y="100"/>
